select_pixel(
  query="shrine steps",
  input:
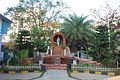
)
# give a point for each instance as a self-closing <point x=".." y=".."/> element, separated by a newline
<point x="87" y="61"/>
<point x="56" y="66"/>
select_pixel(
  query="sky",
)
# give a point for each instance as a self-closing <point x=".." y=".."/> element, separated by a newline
<point x="84" y="6"/>
<point x="77" y="6"/>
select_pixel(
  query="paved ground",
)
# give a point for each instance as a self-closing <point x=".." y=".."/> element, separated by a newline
<point x="55" y="75"/>
<point x="114" y="78"/>
<point x="85" y="76"/>
<point x="24" y="76"/>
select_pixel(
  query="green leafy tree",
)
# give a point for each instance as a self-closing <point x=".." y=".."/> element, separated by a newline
<point x="23" y="42"/>
<point x="101" y="41"/>
<point x="104" y="49"/>
<point x="110" y="17"/>
<point x="42" y="13"/>
<point x="24" y="54"/>
<point x="107" y="14"/>
<point x="77" y="32"/>
<point x="38" y="38"/>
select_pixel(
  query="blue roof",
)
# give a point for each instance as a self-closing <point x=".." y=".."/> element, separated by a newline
<point x="4" y="18"/>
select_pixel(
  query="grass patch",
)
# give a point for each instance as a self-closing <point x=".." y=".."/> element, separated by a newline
<point x="41" y="75"/>
<point x="69" y="74"/>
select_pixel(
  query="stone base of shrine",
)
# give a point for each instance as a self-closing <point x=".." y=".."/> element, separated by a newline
<point x="56" y="66"/>
<point x="57" y="59"/>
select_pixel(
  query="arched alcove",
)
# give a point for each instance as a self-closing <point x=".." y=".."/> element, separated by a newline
<point x="57" y="48"/>
<point x="54" y="39"/>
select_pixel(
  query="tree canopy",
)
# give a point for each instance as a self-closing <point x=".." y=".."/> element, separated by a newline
<point x="42" y="13"/>
<point x="76" y="30"/>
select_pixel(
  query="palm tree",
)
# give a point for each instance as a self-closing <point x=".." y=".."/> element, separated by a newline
<point x="77" y="32"/>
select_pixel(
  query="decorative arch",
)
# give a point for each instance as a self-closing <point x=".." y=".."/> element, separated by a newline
<point x="57" y="49"/>
<point x="53" y="39"/>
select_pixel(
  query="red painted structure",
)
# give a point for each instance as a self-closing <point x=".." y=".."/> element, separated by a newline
<point x="58" y="50"/>
<point x="57" y="56"/>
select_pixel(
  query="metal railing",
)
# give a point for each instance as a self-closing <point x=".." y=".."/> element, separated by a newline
<point x="102" y="69"/>
<point x="20" y="67"/>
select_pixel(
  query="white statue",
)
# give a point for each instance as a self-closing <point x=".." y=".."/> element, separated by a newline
<point x="58" y="41"/>
<point x="74" y="62"/>
<point x="10" y="56"/>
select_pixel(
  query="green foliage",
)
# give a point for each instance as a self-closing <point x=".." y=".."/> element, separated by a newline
<point x="102" y="38"/>
<point x="38" y="38"/>
<point x="23" y="42"/>
<point x="77" y="32"/>
<point x="85" y="65"/>
<point x="101" y="43"/>
<point x="109" y="62"/>
<point x="40" y="44"/>
<point x="14" y="61"/>
<point x="55" y="43"/>
<point x="37" y="32"/>
<point x="24" y="54"/>
<point x="74" y="27"/>
<point x="64" y="46"/>
<point x="69" y="74"/>
<point x="103" y="48"/>
<point x="29" y="13"/>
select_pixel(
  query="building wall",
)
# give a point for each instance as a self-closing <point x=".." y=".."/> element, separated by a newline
<point x="5" y="25"/>
<point x="1" y="55"/>
<point x="0" y="24"/>
<point x="5" y="38"/>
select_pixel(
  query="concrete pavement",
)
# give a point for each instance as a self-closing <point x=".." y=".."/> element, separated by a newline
<point x="55" y="75"/>
<point x="85" y="76"/>
<point x="113" y="78"/>
<point x="22" y="76"/>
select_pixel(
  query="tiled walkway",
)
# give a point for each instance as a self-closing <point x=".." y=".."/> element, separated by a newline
<point x="55" y="75"/>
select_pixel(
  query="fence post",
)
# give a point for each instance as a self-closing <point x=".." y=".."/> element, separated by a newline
<point x="43" y="68"/>
<point x="69" y="67"/>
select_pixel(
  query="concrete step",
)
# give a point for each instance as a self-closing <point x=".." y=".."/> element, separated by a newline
<point x="56" y="66"/>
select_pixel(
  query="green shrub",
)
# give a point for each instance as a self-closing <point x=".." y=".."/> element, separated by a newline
<point x="14" y="61"/>
<point x="24" y="53"/>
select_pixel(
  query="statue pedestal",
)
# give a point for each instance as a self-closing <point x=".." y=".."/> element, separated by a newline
<point x="58" y="50"/>
<point x="58" y="38"/>
<point x="57" y="55"/>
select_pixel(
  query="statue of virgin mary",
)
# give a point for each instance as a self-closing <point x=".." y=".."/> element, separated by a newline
<point x="58" y="41"/>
